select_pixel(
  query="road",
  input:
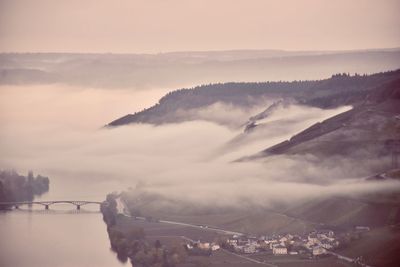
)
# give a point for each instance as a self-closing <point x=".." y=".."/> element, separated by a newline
<point x="345" y="258"/>
<point x="203" y="227"/>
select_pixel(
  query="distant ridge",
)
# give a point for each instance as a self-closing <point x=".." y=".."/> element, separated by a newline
<point x="177" y="69"/>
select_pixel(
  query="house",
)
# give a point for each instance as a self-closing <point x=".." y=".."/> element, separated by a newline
<point x="203" y="245"/>
<point x="289" y="236"/>
<point x="215" y="247"/>
<point x="279" y="250"/>
<point x="326" y="233"/>
<point x="318" y="250"/>
<point x="249" y="249"/>
<point x="313" y="238"/>
<point x="273" y="244"/>
<point x="326" y="244"/>
<point x="232" y="242"/>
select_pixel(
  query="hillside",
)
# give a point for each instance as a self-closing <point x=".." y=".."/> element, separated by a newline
<point x="365" y="130"/>
<point x="353" y="136"/>
<point x="379" y="247"/>
<point x="338" y="90"/>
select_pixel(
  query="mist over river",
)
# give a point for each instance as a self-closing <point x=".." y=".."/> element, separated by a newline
<point x="60" y="236"/>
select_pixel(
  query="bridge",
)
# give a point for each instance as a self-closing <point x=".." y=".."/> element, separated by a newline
<point x="46" y="204"/>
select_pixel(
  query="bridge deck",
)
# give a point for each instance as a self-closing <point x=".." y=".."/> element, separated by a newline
<point x="47" y="203"/>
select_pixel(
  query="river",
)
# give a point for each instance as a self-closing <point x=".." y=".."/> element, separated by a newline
<point x="61" y="236"/>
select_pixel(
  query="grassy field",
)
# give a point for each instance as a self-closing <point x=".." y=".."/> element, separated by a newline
<point x="296" y="260"/>
<point x="222" y="259"/>
<point x="218" y="259"/>
<point x="339" y="214"/>
<point x="155" y="230"/>
<point x="253" y="222"/>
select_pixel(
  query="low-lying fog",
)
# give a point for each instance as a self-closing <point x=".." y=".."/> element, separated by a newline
<point x="57" y="131"/>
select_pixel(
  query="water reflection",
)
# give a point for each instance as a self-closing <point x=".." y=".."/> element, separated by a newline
<point x="61" y="237"/>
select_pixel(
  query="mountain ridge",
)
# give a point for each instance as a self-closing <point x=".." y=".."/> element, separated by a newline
<point x="340" y="89"/>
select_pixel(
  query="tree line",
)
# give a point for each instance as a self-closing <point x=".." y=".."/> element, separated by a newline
<point x="16" y="187"/>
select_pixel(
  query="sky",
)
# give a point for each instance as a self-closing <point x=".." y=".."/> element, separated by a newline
<point x="153" y="26"/>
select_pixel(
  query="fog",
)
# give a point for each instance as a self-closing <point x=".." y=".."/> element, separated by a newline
<point x="57" y="131"/>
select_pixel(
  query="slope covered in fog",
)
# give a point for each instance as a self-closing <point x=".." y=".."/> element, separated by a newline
<point x="368" y="107"/>
<point x="181" y="105"/>
<point x="364" y="131"/>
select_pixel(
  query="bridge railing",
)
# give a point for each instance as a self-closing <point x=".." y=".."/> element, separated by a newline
<point x="46" y="204"/>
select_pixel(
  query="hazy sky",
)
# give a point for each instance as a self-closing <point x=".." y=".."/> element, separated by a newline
<point x="171" y="25"/>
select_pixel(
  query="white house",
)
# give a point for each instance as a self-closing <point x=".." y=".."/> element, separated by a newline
<point x="279" y="250"/>
<point x="232" y="241"/>
<point x="318" y="250"/>
<point x="215" y="247"/>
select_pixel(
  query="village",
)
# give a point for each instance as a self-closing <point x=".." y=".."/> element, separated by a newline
<point x="315" y="244"/>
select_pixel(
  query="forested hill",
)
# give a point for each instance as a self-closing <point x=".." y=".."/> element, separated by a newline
<point x="340" y="89"/>
<point x="368" y="129"/>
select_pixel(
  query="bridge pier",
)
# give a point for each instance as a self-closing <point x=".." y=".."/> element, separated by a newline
<point x="46" y="204"/>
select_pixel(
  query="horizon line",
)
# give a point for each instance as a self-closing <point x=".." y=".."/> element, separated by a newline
<point x="212" y="51"/>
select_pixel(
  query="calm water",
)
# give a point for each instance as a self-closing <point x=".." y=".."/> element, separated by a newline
<point x="58" y="237"/>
